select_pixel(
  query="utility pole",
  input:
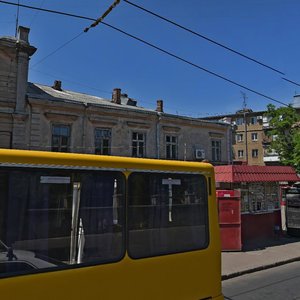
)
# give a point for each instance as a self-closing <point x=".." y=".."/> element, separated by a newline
<point x="245" y="123"/>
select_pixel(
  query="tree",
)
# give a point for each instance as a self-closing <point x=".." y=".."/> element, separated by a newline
<point x="285" y="133"/>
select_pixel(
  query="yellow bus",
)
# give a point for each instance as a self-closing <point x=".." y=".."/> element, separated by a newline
<point x="79" y="226"/>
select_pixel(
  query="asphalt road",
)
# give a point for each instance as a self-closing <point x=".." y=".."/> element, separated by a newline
<point x="280" y="283"/>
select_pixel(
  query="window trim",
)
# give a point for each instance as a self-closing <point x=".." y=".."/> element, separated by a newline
<point x="242" y="153"/>
<point x="216" y="151"/>
<point x="138" y="141"/>
<point x="171" y="144"/>
<point x="239" y="137"/>
<point x="255" y="153"/>
<point x="61" y="125"/>
<point x="256" y="136"/>
<point x="101" y="141"/>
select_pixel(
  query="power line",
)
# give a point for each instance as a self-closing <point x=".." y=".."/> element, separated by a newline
<point x="36" y="13"/>
<point x="204" y="37"/>
<point x="57" y="49"/>
<point x="99" y="20"/>
<point x="150" y="45"/>
<point x="293" y="82"/>
<point x="71" y="81"/>
<point x="48" y="10"/>
<point x="193" y="64"/>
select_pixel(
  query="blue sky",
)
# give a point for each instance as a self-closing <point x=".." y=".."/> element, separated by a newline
<point x="103" y="59"/>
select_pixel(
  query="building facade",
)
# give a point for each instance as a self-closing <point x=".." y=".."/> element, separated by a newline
<point x="49" y="118"/>
<point x="250" y="142"/>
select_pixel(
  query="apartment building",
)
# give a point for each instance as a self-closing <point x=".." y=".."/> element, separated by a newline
<point x="250" y="141"/>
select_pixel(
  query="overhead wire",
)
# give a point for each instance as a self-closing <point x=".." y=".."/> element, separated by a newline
<point x="194" y="65"/>
<point x="288" y="80"/>
<point x="57" y="49"/>
<point x="36" y="13"/>
<point x="144" y="42"/>
<point x="72" y="81"/>
<point x="203" y="37"/>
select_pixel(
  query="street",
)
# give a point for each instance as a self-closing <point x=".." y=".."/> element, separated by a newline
<point x="278" y="283"/>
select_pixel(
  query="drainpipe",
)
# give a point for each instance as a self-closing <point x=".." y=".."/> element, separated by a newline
<point x="158" y="135"/>
<point x="30" y="123"/>
<point x="84" y="129"/>
<point x="246" y="137"/>
<point x="160" y="110"/>
<point x="229" y="144"/>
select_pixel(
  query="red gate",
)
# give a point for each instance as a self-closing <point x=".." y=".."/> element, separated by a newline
<point x="229" y="203"/>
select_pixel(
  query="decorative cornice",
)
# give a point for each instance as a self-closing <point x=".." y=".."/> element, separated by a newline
<point x="102" y="121"/>
<point x="171" y="128"/>
<point x="141" y="125"/>
<point x="60" y="117"/>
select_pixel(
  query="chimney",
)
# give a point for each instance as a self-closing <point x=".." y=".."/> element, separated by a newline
<point x="116" y="96"/>
<point x="23" y="52"/>
<point x="160" y="106"/>
<point x="57" y="85"/>
<point x="23" y="33"/>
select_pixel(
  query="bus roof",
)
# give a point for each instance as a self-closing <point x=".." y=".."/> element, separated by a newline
<point x="31" y="158"/>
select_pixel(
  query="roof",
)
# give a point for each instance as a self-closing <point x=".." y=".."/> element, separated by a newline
<point x="241" y="173"/>
<point x="45" y="92"/>
<point x="48" y="93"/>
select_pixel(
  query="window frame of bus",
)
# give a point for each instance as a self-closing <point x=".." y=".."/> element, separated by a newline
<point x="79" y="173"/>
<point x="204" y="193"/>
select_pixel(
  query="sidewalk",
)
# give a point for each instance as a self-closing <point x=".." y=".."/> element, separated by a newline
<point x="260" y="256"/>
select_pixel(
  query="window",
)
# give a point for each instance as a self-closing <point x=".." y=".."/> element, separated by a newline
<point x="254" y="136"/>
<point x="254" y="152"/>
<point x="171" y="147"/>
<point x="60" y="138"/>
<point x="253" y="120"/>
<point x="216" y="150"/>
<point x="167" y="213"/>
<point x="102" y="141"/>
<point x="58" y="218"/>
<point x="240" y="153"/>
<point x="239" y="121"/>
<point x="138" y="144"/>
<point x="239" y="137"/>
<point x="262" y="196"/>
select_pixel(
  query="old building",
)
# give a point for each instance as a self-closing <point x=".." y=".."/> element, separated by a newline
<point x="40" y="117"/>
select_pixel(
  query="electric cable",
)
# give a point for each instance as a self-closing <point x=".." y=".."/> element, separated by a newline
<point x="203" y="37"/>
<point x="146" y="43"/>
<point x="193" y="64"/>
<point x="288" y="80"/>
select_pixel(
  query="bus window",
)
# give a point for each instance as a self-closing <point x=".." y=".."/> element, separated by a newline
<point x="52" y="218"/>
<point x="168" y="213"/>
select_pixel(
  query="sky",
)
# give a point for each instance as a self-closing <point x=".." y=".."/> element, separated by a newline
<point x="102" y="59"/>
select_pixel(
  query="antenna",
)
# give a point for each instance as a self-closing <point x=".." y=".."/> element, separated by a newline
<point x="244" y="96"/>
<point x="17" y="18"/>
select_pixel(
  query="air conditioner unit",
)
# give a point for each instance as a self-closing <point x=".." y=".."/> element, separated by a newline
<point x="200" y="154"/>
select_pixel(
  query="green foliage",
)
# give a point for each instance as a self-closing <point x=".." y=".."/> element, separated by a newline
<point x="286" y="134"/>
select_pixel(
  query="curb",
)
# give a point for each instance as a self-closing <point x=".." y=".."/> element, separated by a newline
<point x="260" y="268"/>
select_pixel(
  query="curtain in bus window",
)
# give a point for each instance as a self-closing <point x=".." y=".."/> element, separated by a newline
<point x="17" y="201"/>
<point x="102" y="215"/>
<point x="59" y="217"/>
<point x="167" y="213"/>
